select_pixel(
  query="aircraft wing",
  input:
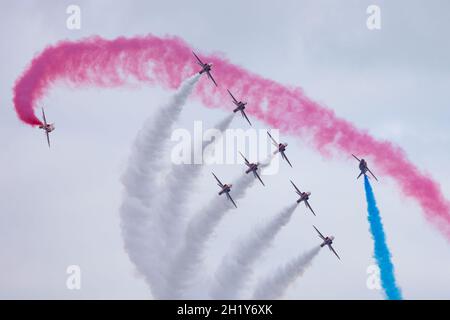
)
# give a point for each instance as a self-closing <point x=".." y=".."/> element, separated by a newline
<point x="231" y="199"/>
<point x="332" y="249"/>
<point x="234" y="99"/>
<point x="372" y="174"/>
<point x="320" y="235"/>
<point x="211" y="77"/>
<point x="298" y="191"/>
<point x="200" y="62"/>
<point x="245" y="116"/>
<point x="273" y="140"/>
<point x="43" y="116"/>
<point x="48" y="138"/>
<point x="245" y="159"/>
<point x="259" y="178"/>
<point x="285" y="158"/>
<point x="220" y="183"/>
<point x="308" y="205"/>
<point x="356" y="157"/>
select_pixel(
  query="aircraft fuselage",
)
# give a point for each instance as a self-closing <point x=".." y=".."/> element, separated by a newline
<point x="47" y="127"/>
<point x="304" y="196"/>
<point x="225" y="189"/>
<point x="328" y="241"/>
<point x="240" y="106"/>
<point x="252" y="167"/>
<point x="206" y="68"/>
<point x="363" y="165"/>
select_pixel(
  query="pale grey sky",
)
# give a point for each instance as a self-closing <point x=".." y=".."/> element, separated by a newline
<point x="60" y="207"/>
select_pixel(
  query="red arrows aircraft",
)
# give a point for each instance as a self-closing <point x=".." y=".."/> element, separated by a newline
<point x="281" y="148"/>
<point x="226" y="188"/>
<point x="206" y="67"/>
<point x="47" y="127"/>
<point x="363" y="167"/>
<point x="304" y="196"/>
<point x="327" y="241"/>
<point x="240" y="106"/>
<point x="252" y="167"/>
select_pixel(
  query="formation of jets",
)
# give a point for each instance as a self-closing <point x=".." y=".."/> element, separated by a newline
<point x="251" y="167"/>
<point x="280" y="148"/>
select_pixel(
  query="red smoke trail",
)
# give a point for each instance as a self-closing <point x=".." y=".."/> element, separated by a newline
<point x="166" y="61"/>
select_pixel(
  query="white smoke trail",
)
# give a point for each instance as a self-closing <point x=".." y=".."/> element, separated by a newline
<point x="179" y="184"/>
<point x="236" y="267"/>
<point x="274" y="286"/>
<point x="138" y="223"/>
<point x="189" y="258"/>
<point x="221" y="126"/>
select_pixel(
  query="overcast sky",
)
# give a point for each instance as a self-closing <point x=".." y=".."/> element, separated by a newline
<point x="59" y="207"/>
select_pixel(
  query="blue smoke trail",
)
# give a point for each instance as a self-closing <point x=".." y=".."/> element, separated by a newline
<point x="382" y="253"/>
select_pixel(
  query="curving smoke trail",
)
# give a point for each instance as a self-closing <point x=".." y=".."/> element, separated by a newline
<point x="172" y="206"/>
<point x="166" y="61"/>
<point x="236" y="268"/>
<point x="274" y="286"/>
<point x="139" y="224"/>
<point x="381" y="251"/>
<point x="179" y="184"/>
<point x="189" y="258"/>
